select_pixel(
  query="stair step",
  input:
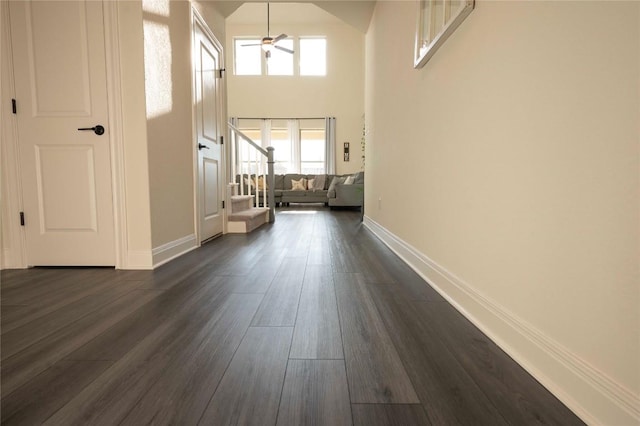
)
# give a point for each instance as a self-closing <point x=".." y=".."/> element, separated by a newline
<point x="240" y="203"/>
<point x="248" y="214"/>
<point x="239" y="198"/>
<point x="247" y="220"/>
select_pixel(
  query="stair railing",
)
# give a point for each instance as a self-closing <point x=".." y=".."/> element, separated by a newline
<point x="242" y="146"/>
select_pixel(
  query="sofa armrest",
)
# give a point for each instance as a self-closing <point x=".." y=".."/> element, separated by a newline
<point x="348" y="195"/>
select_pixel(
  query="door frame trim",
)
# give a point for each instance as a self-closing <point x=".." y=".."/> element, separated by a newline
<point x="197" y="19"/>
<point x="13" y="246"/>
<point x="116" y="139"/>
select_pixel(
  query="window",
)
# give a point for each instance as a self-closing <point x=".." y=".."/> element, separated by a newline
<point x="313" y="56"/>
<point x="281" y="63"/>
<point x="283" y="153"/>
<point x="312" y="151"/>
<point x="310" y="53"/>
<point x="247" y="58"/>
<point x="246" y="154"/>
<point x="300" y="145"/>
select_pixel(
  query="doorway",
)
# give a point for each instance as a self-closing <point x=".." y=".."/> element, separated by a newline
<point x="209" y="128"/>
<point x="63" y="132"/>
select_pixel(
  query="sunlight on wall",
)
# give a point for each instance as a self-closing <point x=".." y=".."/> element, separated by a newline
<point x="157" y="7"/>
<point x="157" y="59"/>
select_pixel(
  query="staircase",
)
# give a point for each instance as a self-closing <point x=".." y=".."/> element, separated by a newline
<point x="243" y="217"/>
<point x="249" y="160"/>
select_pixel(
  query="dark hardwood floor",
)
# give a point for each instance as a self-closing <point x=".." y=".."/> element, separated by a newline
<point x="309" y="321"/>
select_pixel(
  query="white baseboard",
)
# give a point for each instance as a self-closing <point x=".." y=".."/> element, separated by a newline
<point x="6" y="262"/>
<point x="592" y="395"/>
<point x="11" y="259"/>
<point x="173" y="249"/>
<point x="139" y="259"/>
<point x="135" y="259"/>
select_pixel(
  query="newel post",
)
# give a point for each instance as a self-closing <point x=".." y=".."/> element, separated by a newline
<point x="271" y="184"/>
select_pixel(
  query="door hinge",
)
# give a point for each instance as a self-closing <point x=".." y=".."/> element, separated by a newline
<point x="21" y="218"/>
<point x="14" y="106"/>
<point x="221" y="140"/>
<point x="223" y="204"/>
<point x="221" y="72"/>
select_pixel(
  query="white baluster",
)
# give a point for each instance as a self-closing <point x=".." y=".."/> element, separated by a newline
<point x="240" y="162"/>
<point x="234" y="159"/>
<point x="256" y="154"/>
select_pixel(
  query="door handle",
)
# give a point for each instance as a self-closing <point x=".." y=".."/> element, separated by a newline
<point x="98" y="130"/>
<point x="201" y="146"/>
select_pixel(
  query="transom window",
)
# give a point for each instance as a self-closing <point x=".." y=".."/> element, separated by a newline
<point x="247" y="58"/>
<point x="310" y="55"/>
<point x="313" y="56"/>
<point x="281" y="63"/>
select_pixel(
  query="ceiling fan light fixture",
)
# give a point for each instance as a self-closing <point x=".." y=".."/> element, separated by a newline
<point x="267" y="47"/>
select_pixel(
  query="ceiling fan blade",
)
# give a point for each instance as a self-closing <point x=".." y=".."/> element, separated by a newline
<point x="280" y="37"/>
<point x="284" y="49"/>
<point x="254" y="44"/>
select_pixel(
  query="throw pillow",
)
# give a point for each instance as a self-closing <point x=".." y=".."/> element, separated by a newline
<point x="317" y="183"/>
<point x="349" y="180"/>
<point x="261" y="183"/>
<point x="310" y="184"/>
<point x="299" y="185"/>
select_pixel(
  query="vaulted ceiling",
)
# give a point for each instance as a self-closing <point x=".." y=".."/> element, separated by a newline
<point x="355" y="13"/>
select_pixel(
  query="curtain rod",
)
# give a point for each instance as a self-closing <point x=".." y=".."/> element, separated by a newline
<point x="283" y="118"/>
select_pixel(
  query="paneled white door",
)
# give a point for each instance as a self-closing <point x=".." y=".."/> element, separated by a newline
<point x="208" y="109"/>
<point x="59" y="59"/>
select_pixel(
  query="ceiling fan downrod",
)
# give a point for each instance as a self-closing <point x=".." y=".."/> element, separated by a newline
<point x="268" y="20"/>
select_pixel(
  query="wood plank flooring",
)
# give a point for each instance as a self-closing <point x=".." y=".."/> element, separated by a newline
<point x="308" y="321"/>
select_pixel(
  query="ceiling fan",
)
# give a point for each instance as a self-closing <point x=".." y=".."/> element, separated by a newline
<point x="268" y="43"/>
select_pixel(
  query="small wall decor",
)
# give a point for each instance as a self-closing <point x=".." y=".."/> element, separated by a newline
<point x="437" y="20"/>
<point x="346" y="151"/>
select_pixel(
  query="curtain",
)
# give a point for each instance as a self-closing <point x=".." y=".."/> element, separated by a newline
<point x="330" y="145"/>
<point x="265" y="139"/>
<point x="294" y="136"/>
<point x="265" y="132"/>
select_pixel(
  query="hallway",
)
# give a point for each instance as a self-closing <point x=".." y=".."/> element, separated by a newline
<point x="310" y="320"/>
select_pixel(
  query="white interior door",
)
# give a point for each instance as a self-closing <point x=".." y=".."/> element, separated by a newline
<point x="59" y="60"/>
<point x="208" y="108"/>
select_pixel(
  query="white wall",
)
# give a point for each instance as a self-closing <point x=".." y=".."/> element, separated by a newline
<point x="340" y="94"/>
<point x="169" y="120"/>
<point x="167" y="57"/>
<point x="510" y="164"/>
<point x="155" y="45"/>
<point x="134" y="133"/>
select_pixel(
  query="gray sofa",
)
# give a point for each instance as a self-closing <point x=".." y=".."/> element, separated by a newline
<point x="338" y="195"/>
